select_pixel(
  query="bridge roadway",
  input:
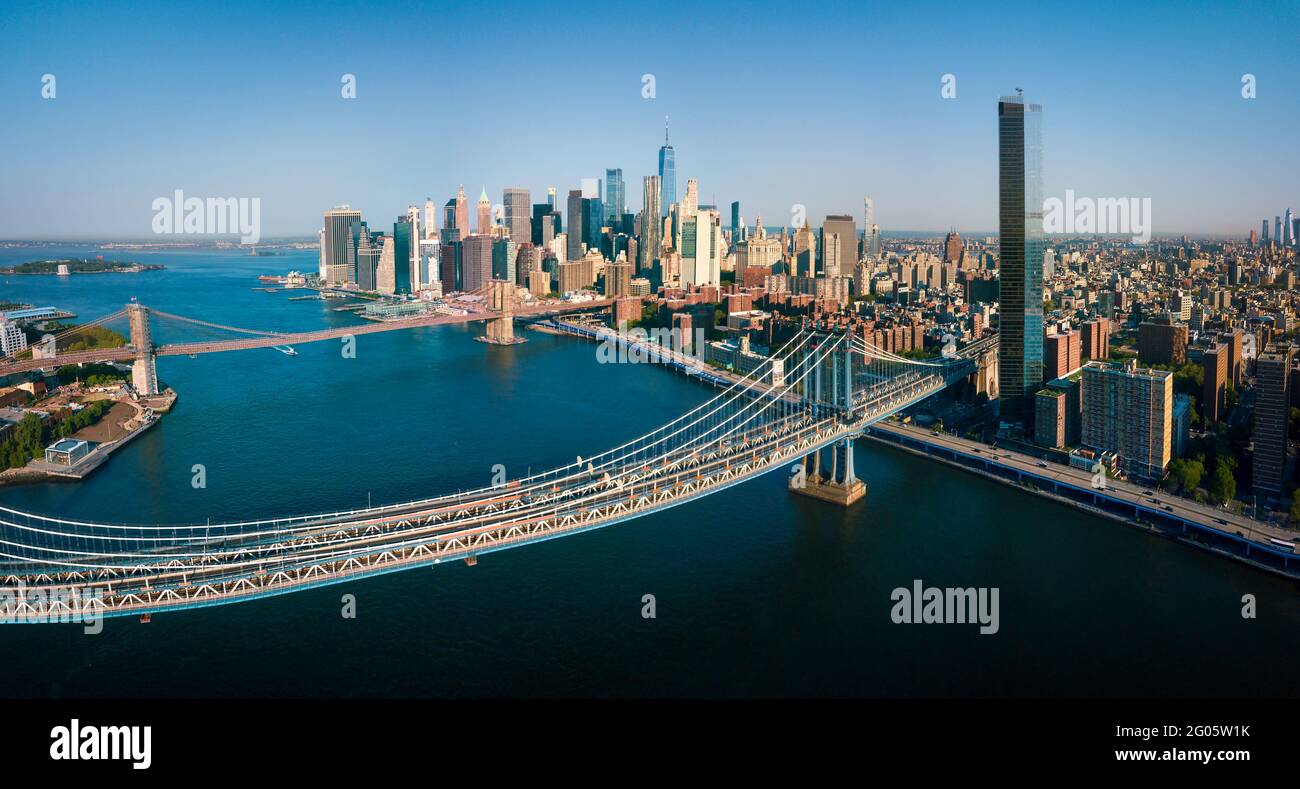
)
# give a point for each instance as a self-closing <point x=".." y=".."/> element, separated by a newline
<point x="502" y="518"/>
<point x="1143" y="499"/>
<point x="369" y="547"/>
<point x="127" y="353"/>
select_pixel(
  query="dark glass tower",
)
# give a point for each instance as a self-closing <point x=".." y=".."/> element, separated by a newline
<point x="615" y="193"/>
<point x="403" y="238"/>
<point x="1020" y="241"/>
<point x="667" y="175"/>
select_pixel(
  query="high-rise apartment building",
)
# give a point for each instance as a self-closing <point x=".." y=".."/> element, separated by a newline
<point x="1272" y="401"/>
<point x="1162" y="341"/>
<point x="1020" y="244"/>
<point x="1233" y="339"/>
<point x="1129" y="411"/>
<point x="1214" y="390"/>
<point x="1095" y="339"/>
<point x="12" y="339"/>
<point x="1061" y="354"/>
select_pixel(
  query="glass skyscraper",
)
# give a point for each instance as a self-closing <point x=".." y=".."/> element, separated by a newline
<point x="615" y="194"/>
<point x="667" y="175"/>
<point x="1020" y="242"/>
<point x="403" y="239"/>
<point x="592" y="221"/>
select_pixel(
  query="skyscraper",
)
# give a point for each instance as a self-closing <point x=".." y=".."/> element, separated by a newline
<point x="413" y="262"/>
<point x="483" y="223"/>
<point x="478" y="261"/>
<point x="1020" y="243"/>
<point x="1287" y="237"/>
<point x="839" y="246"/>
<point x="615" y="194"/>
<point x="574" y="223"/>
<point x="516" y="205"/>
<point x="1271" y="412"/>
<point x="430" y="219"/>
<point x="404" y="246"/>
<point x="804" y="252"/>
<point x="691" y="200"/>
<point x="952" y="247"/>
<point x="462" y="212"/>
<point x="735" y="222"/>
<point x="1215" y="387"/>
<point x="667" y="174"/>
<point x="593" y="219"/>
<point x="340" y="267"/>
<point x="650" y="223"/>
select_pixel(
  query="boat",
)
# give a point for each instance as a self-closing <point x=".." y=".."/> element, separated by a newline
<point x="287" y="350"/>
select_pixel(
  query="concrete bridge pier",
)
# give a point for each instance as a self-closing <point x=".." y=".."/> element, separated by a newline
<point x="144" y="369"/>
<point x="501" y="331"/>
<point x="842" y="486"/>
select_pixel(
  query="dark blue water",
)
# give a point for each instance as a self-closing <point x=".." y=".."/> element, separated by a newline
<point x="757" y="592"/>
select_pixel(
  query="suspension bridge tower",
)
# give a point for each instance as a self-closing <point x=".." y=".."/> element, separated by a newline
<point x="144" y="370"/>
<point x="501" y="298"/>
<point x="832" y="392"/>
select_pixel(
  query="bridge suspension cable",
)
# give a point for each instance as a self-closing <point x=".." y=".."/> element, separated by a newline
<point x="721" y="429"/>
<point x="206" y="324"/>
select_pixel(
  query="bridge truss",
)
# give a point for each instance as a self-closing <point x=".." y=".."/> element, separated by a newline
<point x="830" y="386"/>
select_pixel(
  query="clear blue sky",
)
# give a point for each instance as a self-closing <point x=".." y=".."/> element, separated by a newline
<point x="771" y="103"/>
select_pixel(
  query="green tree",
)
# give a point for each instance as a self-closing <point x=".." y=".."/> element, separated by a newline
<point x="1223" y="485"/>
<point x="1295" y="509"/>
<point x="1185" y="475"/>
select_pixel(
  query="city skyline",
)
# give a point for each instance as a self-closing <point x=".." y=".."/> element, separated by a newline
<point x="1185" y="140"/>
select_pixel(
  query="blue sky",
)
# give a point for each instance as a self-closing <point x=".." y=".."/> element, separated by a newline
<point x="772" y="104"/>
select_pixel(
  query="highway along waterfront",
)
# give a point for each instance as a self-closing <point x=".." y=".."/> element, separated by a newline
<point x="757" y="592"/>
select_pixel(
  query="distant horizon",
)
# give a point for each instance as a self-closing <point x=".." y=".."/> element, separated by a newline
<point x="196" y="239"/>
<point x="914" y="127"/>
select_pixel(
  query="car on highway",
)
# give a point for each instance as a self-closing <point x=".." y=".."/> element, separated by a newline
<point x="1146" y="493"/>
<point x="1222" y="522"/>
<point x="1168" y="508"/>
<point x="1041" y="464"/>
